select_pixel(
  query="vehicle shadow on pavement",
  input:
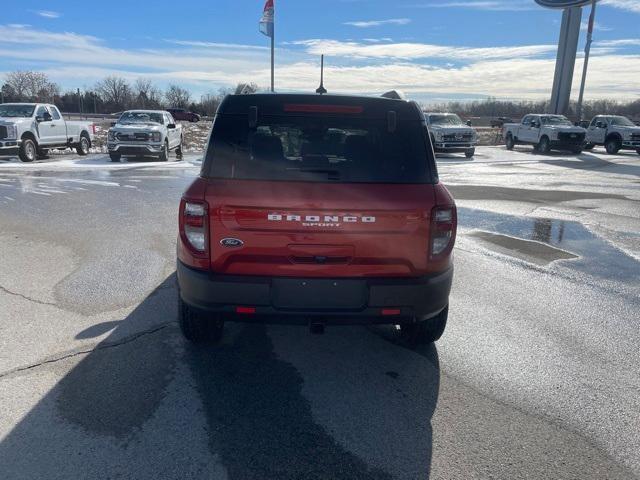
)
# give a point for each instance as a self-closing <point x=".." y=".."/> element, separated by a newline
<point x="589" y="161"/>
<point x="133" y="407"/>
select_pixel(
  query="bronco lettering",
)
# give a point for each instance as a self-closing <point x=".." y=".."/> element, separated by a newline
<point x="278" y="217"/>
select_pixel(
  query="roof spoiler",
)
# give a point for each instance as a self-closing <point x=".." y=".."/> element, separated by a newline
<point x="394" y="95"/>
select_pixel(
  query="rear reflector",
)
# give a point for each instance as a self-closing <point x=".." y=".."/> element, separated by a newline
<point x="296" y="107"/>
<point x="246" y="310"/>
<point x="390" y="311"/>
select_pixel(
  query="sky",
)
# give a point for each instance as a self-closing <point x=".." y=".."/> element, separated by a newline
<point x="433" y="50"/>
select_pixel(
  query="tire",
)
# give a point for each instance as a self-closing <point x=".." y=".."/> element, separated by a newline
<point x="544" y="146"/>
<point x="114" y="157"/>
<point x="509" y="142"/>
<point x="179" y="150"/>
<point x="470" y="153"/>
<point x="84" y="145"/>
<point x="577" y="150"/>
<point x="28" y="150"/>
<point x="589" y="146"/>
<point x="612" y="146"/>
<point x="164" y="155"/>
<point x="198" y="327"/>
<point x="425" y="331"/>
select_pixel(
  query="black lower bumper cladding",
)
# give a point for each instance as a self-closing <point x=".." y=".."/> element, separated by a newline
<point x="295" y="300"/>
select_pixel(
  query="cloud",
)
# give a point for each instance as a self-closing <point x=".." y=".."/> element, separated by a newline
<point x="584" y="26"/>
<point x="629" y="5"/>
<point x="48" y="14"/>
<point x="413" y="51"/>
<point x="621" y="42"/>
<point x="491" y="5"/>
<point x="521" y="72"/>
<point x="201" y="44"/>
<point x="378" y="23"/>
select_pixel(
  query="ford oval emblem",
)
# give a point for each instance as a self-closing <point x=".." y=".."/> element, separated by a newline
<point x="231" y="242"/>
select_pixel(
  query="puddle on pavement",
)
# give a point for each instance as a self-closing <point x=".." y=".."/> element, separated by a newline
<point x="528" y="250"/>
<point x="544" y="240"/>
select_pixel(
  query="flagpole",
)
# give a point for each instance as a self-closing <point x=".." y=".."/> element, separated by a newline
<point x="273" y="34"/>
<point x="272" y="55"/>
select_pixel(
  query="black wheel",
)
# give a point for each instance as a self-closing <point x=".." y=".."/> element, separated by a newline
<point x="589" y="146"/>
<point x="179" y="150"/>
<point x="470" y="153"/>
<point x="198" y="327"/>
<point x="509" y="142"/>
<point x="164" y="155"/>
<point x="28" y="150"/>
<point x="84" y="145"/>
<point x="115" y="157"/>
<point x="544" y="146"/>
<point x="425" y="331"/>
<point x="612" y="146"/>
<point x="577" y="150"/>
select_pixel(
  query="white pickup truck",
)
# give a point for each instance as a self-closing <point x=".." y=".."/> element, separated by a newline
<point x="545" y="133"/>
<point x="614" y="132"/>
<point x="142" y="133"/>
<point x="450" y="135"/>
<point x="32" y="129"/>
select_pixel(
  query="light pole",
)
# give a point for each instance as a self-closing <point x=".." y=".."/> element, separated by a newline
<point x="587" y="50"/>
<point x="567" y="49"/>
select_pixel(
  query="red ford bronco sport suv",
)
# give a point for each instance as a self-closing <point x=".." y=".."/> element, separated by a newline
<point x="316" y="209"/>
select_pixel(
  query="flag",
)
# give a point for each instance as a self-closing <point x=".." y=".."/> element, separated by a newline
<point x="266" y="22"/>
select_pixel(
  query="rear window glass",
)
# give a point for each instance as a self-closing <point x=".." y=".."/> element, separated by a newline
<point x="318" y="148"/>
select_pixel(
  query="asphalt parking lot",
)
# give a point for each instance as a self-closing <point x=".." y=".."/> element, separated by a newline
<point x="536" y="376"/>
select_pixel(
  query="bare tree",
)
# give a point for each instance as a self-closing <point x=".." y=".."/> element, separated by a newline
<point x="115" y="91"/>
<point x="177" y="96"/>
<point x="246" y="88"/>
<point x="147" y="94"/>
<point x="35" y="86"/>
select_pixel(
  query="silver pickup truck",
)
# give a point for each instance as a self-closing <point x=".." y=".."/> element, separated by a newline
<point x="614" y="132"/>
<point x="139" y="133"/>
<point x="30" y="130"/>
<point x="545" y="133"/>
<point x="450" y="135"/>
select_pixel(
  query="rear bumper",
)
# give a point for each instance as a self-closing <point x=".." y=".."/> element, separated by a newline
<point x="278" y="300"/>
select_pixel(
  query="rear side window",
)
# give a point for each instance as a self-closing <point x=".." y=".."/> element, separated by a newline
<point x="318" y="148"/>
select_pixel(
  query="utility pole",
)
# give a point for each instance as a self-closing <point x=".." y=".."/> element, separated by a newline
<point x="79" y="102"/>
<point x="587" y="50"/>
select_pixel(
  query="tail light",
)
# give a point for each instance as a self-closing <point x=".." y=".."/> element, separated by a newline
<point x="443" y="231"/>
<point x="193" y="226"/>
<point x="93" y="128"/>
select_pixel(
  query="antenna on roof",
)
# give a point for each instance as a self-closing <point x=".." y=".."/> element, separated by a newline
<point x="320" y="90"/>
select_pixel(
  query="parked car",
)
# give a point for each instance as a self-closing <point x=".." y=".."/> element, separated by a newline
<point x="450" y="135"/>
<point x="614" y="132"/>
<point x="144" y="133"/>
<point x="545" y="133"/>
<point x="30" y="130"/>
<point x="316" y="209"/>
<point x="184" y="115"/>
